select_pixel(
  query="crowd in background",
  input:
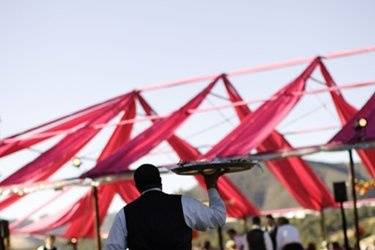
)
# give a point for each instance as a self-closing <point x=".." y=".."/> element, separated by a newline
<point x="276" y="234"/>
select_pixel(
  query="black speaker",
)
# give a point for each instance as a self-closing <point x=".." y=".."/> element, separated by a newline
<point x="339" y="189"/>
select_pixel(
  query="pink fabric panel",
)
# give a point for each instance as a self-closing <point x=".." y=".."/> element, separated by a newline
<point x="237" y="204"/>
<point x="294" y="173"/>
<point x="83" y="225"/>
<point x="147" y="140"/>
<point x="344" y="109"/>
<point x="22" y="219"/>
<point x="9" y="201"/>
<point x="47" y="163"/>
<point x="63" y="123"/>
<point x="127" y="190"/>
<point x="64" y="216"/>
<point x="348" y="134"/>
<point x="263" y="120"/>
<point x="346" y="113"/>
<point x="121" y="134"/>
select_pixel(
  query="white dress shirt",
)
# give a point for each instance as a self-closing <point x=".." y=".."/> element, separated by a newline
<point x="197" y="216"/>
<point x="286" y="234"/>
<point x="266" y="238"/>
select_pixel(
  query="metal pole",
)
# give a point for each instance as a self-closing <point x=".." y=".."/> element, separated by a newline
<point x="245" y="224"/>
<point x="323" y="225"/>
<point x="220" y="236"/>
<point x="96" y="217"/>
<point x="354" y="196"/>
<point x="344" y="227"/>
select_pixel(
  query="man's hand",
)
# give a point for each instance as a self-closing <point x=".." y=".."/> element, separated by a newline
<point x="211" y="179"/>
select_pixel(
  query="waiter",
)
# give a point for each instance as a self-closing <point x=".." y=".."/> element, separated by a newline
<point x="160" y="221"/>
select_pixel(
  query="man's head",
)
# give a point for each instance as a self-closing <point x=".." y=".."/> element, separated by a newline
<point x="231" y="233"/>
<point x="282" y="221"/>
<point x="147" y="176"/>
<point x="270" y="220"/>
<point x="50" y="240"/>
<point x="256" y="221"/>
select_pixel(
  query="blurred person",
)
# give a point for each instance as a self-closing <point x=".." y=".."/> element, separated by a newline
<point x="239" y="240"/>
<point x="49" y="243"/>
<point x="160" y="221"/>
<point x="230" y="245"/>
<point x="272" y="229"/>
<point x="287" y="236"/>
<point x="207" y="245"/>
<point x="72" y="244"/>
<point x="311" y="246"/>
<point x="335" y="246"/>
<point x="257" y="239"/>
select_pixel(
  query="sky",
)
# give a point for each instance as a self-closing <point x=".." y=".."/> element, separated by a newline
<point x="61" y="56"/>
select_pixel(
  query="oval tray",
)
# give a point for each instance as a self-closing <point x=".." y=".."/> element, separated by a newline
<point x="210" y="167"/>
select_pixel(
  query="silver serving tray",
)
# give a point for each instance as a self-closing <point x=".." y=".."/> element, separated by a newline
<point x="210" y="167"/>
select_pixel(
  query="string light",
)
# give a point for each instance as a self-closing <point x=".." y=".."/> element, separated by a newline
<point x="77" y="162"/>
<point x="361" y="123"/>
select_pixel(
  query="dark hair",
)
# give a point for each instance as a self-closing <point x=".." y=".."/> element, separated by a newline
<point x="51" y="236"/>
<point x="311" y="246"/>
<point x="282" y="221"/>
<point x="269" y="216"/>
<point x="207" y="244"/>
<point x="231" y="231"/>
<point x="147" y="176"/>
<point x="256" y="220"/>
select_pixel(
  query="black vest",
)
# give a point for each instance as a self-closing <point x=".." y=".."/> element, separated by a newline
<point x="155" y="221"/>
<point x="272" y="234"/>
<point x="255" y="239"/>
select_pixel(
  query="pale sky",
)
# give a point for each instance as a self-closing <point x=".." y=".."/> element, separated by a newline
<point x="60" y="56"/>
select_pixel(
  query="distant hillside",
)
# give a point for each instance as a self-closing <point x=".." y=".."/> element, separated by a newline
<point x="261" y="187"/>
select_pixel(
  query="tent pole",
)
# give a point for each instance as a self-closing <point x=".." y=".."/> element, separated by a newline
<point x="323" y="225"/>
<point x="220" y="236"/>
<point x="344" y="226"/>
<point x="354" y="196"/>
<point x="96" y="217"/>
<point x="245" y="224"/>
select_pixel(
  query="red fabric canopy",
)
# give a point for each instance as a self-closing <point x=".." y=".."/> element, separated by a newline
<point x="256" y="130"/>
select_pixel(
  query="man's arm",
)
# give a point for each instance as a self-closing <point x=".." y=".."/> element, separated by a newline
<point x="200" y="217"/>
<point x="117" y="235"/>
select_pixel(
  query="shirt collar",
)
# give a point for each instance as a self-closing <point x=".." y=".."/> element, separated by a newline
<point x="151" y="189"/>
